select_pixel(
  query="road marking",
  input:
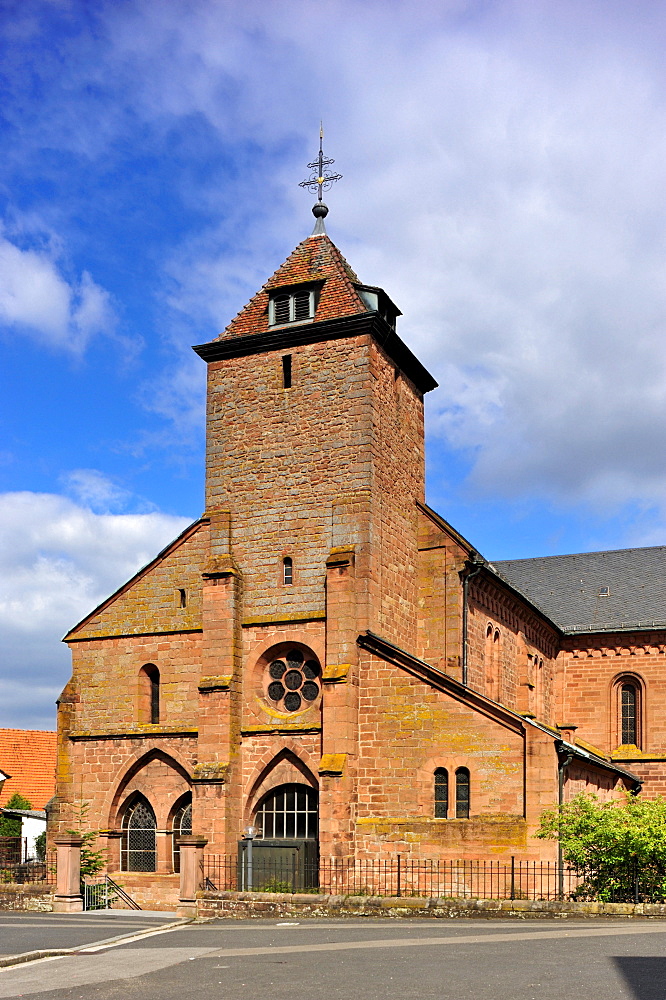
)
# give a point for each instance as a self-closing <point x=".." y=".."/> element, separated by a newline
<point x="430" y="942"/>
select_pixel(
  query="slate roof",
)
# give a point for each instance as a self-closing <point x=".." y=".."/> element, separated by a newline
<point x="316" y="258"/>
<point x="567" y="589"/>
<point x="29" y="757"/>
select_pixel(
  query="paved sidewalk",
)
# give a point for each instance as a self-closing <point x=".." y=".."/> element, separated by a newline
<point x="22" y="934"/>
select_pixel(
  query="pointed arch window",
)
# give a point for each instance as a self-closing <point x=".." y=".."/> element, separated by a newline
<point x="138" y="842"/>
<point x="441" y="793"/>
<point x="181" y="827"/>
<point x="462" y="793"/>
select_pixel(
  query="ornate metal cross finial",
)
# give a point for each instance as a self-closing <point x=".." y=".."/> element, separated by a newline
<point x="320" y="180"/>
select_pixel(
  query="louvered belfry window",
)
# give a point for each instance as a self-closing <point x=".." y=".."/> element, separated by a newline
<point x="138" y="845"/>
<point x="291" y="307"/>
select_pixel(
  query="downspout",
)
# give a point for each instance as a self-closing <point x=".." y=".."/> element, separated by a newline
<point x="474" y="565"/>
<point x="565" y="755"/>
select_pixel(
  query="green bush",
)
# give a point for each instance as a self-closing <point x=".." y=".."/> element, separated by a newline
<point x="10" y="826"/>
<point x="617" y="847"/>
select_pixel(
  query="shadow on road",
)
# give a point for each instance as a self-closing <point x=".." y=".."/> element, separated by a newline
<point x="644" y="976"/>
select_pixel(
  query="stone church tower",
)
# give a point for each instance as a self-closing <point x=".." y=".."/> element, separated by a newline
<point x="320" y="654"/>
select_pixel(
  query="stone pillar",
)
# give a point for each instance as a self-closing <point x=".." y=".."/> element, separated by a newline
<point x="191" y="857"/>
<point x="113" y="838"/>
<point x="213" y="808"/>
<point x="68" y="898"/>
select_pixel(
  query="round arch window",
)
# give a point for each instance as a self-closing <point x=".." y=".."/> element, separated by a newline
<point x="293" y="681"/>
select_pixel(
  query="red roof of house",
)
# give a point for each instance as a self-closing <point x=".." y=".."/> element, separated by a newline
<point x="29" y="757"/>
<point x="317" y="259"/>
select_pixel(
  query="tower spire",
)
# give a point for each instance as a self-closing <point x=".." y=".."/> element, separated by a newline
<point x="322" y="181"/>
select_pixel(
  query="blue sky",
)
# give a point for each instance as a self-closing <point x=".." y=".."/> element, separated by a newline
<point x="503" y="180"/>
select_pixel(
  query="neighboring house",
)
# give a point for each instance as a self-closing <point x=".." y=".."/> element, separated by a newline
<point x="29" y="756"/>
<point x="33" y="824"/>
<point x="321" y="654"/>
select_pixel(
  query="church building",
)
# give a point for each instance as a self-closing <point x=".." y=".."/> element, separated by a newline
<point x="321" y="655"/>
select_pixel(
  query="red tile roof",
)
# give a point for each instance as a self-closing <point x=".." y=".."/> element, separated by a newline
<point x="29" y="757"/>
<point x="315" y="259"/>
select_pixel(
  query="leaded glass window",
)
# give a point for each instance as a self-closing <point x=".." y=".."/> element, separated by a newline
<point x="441" y="793"/>
<point x="182" y="825"/>
<point x="138" y="844"/>
<point x="462" y="793"/>
<point x="629" y="714"/>
<point x="289" y="812"/>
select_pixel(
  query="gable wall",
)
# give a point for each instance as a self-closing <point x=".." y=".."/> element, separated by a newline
<point x="592" y="666"/>
<point x="150" y="603"/>
<point x="406" y="730"/>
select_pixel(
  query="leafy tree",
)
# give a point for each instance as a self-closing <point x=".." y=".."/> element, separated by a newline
<point x="40" y="846"/>
<point x="92" y="862"/>
<point x="10" y="826"/>
<point x="617" y="847"/>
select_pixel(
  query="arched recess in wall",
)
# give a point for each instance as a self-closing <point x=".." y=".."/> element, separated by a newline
<point x="493" y="661"/>
<point x="628" y="711"/>
<point x="138" y="844"/>
<point x="157" y="776"/>
<point x="148" y="700"/>
<point x="285" y="768"/>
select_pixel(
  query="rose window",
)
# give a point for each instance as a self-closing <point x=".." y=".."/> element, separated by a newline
<point x="293" y="681"/>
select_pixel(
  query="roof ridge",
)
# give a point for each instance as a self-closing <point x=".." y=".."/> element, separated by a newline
<point x="570" y="555"/>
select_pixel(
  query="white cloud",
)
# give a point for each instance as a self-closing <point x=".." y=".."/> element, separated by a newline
<point x="503" y="181"/>
<point x="37" y="300"/>
<point x="59" y="560"/>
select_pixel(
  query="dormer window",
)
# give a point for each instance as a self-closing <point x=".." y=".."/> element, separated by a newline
<point x="292" y="306"/>
<point x="376" y="300"/>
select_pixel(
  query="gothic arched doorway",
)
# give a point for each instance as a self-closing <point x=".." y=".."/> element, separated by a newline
<point x="285" y="854"/>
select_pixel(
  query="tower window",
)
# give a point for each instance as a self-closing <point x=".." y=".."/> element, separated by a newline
<point x="287" y="571"/>
<point x="286" y="371"/>
<point x="441" y="793"/>
<point x="462" y="793"/>
<point x="182" y="598"/>
<point x="291" y="307"/>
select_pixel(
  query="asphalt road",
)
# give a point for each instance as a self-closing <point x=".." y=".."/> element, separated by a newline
<point x="372" y="959"/>
<point x="21" y="932"/>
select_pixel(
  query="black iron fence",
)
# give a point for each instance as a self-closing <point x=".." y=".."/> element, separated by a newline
<point x="399" y="876"/>
<point x="18" y="867"/>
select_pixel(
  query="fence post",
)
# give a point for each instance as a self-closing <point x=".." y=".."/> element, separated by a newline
<point x="399" y="886"/>
<point x="513" y="876"/>
<point x="68" y="898"/>
<point x="636" y="892"/>
<point x="191" y="856"/>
